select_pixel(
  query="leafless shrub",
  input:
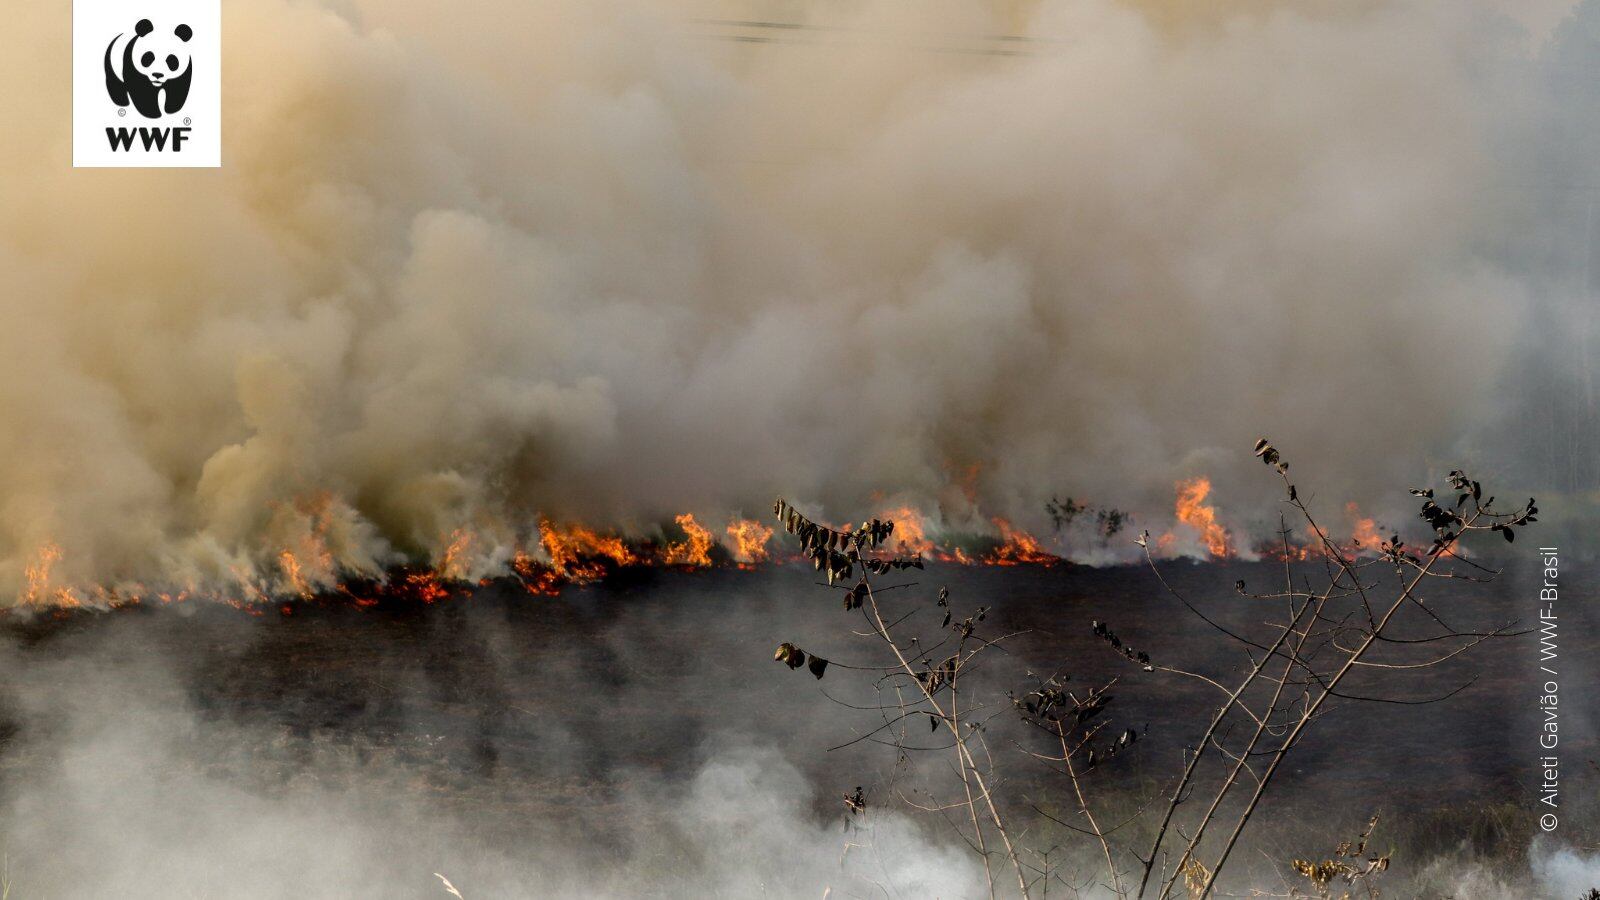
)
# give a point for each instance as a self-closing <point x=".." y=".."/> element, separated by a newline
<point x="1352" y="866"/>
<point x="925" y="678"/>
<point x="1291" y="676"/>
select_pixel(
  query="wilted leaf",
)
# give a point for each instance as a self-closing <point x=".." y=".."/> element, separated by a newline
<point x="818" y="666"/>
<point x="790" y="655"/>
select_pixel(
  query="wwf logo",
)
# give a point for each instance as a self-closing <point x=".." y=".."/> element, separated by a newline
<point x="162" y="69"/>
<point x="150" y="70"/>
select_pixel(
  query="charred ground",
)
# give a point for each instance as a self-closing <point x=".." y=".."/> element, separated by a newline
<point x="498" y="722"/>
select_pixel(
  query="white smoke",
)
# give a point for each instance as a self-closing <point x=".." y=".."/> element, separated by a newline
<point x="1565" y="872"/>
<point x="592" y="260"/>
<point x="123" y="788"/>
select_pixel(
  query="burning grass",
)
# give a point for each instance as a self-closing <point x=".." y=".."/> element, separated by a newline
<point x="557" y="555"/>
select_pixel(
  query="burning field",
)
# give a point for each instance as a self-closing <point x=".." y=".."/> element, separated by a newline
<point x="728" y="448"/>
<point x="566" y="555"/>
<point x="711" y="258"/>
<point x="605" y="719"/>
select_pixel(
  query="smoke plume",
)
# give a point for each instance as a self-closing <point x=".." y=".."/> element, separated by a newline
<point x="463" y="268"/>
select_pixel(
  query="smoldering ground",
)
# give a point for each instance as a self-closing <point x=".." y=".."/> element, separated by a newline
<point x="467" y="266"/>
<point x="636" y="739"/>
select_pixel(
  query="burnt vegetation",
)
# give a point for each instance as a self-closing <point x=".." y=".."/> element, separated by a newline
<point x="1346" y="626"/>
<point x="1108" y="521"/>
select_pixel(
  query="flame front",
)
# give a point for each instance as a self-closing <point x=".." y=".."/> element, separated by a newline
<point x="575" y="550"/>
<point x="306" y="567"/>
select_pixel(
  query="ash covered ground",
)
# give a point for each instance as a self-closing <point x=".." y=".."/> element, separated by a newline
<point x="635" y="738"/>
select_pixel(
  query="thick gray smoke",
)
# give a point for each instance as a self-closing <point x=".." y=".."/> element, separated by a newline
<point x="469" y="265"/>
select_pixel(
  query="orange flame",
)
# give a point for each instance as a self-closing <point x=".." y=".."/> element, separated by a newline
<point x="573" y="551"/>
<point x="425" y="586"/>
<point x="696" y="551"/>
<point x="910" y="535"/>
<point x="536" y="577"/>
<point x="1192" y="511"/>
<point x="306" y="568"/>
<point x="1365" y="535"/>
<point x="292" y="574"/>
<point x="1017" y="547"/>
<point x="453" y="564"/>
<point x="1290" y="552"/>
<point x="749" y="541"/>
<point x="37" y="574"/>
<point x="253" y="592"/>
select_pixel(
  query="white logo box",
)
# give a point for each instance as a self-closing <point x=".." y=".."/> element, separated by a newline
<point x="157" y="114"/>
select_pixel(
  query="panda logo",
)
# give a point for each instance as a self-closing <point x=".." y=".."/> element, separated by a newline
<point x="152" y="71"/>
